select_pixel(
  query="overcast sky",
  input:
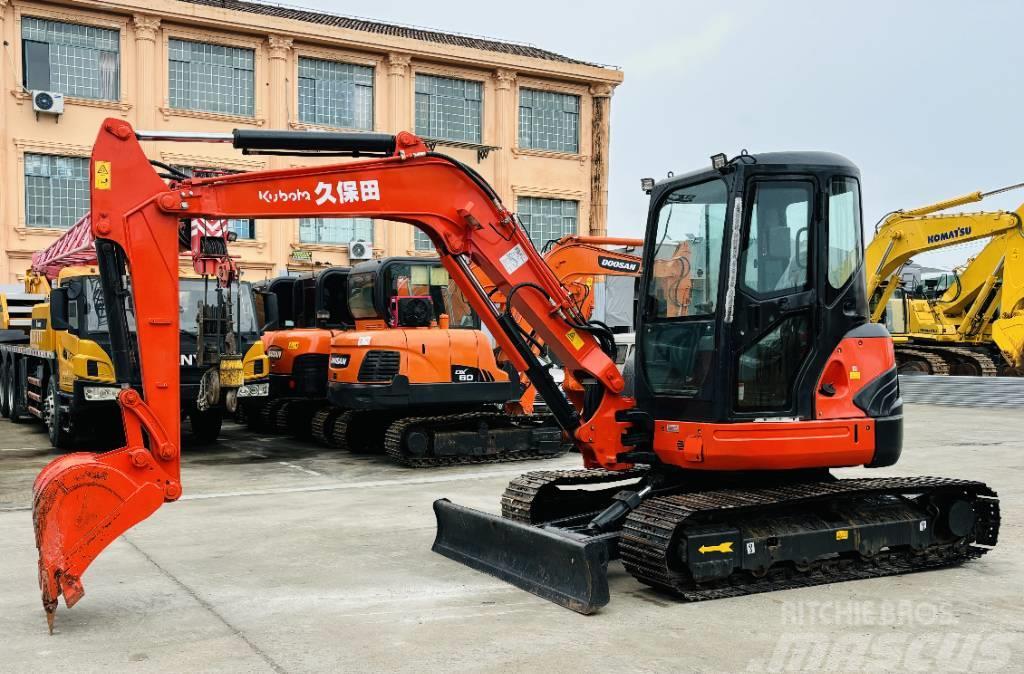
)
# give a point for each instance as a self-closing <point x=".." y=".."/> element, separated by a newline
<point x="921" y="95"/>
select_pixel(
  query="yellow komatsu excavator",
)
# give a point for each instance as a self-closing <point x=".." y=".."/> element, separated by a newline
<point x="970" y="322"/>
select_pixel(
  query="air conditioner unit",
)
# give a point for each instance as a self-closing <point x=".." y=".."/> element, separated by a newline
<point x="360" y="250"/>
<point x="48" y="102"/>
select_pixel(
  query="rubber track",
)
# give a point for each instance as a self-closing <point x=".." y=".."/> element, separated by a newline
<point x="937" y="364"/>
<point x="521" y="493"/>
<point x="339" y="430"/>
<point x="649" y="533"/>
<point x="394" y="449"/>
<point x="323" y="424"/>
<point x="953" y="353"/>
<point x="362" y="418"/>
<point x="281" y="424"/>
<point x="268" y="414"/>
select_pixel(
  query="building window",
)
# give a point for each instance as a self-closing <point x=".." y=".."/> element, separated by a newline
<point x="335" y="230"/>
<point x="421" y="241"/>
<point x="81" y="61"/>
<point x="549" y="121"/>
<point x="211" y="78"/>
<point x="448" y="109"/>
<point x="547" y="219"/>
<point x="244" y="228"/>
<point x="56" y="190"/>
<point x="335" y="94"/>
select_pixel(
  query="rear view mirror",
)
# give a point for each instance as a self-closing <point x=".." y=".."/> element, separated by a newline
<point x="59" y="309"/>
<point x="801" y="248"/>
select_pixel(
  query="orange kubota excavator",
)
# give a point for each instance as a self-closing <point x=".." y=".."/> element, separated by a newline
<point x="772" y="377"/>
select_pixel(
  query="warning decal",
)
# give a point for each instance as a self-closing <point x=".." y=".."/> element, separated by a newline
<point x="101" y="175"/>
<point x="574" y="339"/>
<point x="513" y="259"/>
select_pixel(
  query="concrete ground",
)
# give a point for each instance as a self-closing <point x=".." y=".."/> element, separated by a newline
<point x="287" y="557"/>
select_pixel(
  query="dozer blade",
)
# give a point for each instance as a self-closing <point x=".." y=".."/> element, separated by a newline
<point x="568" y="571"/>
<point x="81" y="503"/>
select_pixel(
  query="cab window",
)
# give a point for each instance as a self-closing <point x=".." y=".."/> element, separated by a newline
<point x="775" y="251"/>
<point x="844" y="231"/>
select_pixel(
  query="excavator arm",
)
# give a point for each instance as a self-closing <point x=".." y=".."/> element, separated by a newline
<point x="904" y="234"/>
<point x="575" y="260"/>
<point x="83" y="501"/>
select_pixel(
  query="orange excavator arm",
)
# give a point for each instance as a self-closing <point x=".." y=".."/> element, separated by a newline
<point x="83" y="501"/>
<point x="576" y="260"/>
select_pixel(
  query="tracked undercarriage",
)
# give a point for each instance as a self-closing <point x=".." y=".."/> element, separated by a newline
<point x="937" y="359"/>
<point x="472" y="437"/>
<point x="738" y="537"/>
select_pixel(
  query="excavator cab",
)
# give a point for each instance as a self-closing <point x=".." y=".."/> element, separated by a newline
<point x="774" y="246"/>
<point x="409" y="292"/>
<point x="310" y="308"/>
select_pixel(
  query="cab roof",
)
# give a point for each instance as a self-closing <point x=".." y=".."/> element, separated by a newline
<point x="794" y="159"/>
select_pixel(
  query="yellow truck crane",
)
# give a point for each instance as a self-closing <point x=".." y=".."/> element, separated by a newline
<point x="971" y="324"/>
<point x="60" y="371"/>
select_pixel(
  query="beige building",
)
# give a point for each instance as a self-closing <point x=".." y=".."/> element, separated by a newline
<point x="532" y="122"/>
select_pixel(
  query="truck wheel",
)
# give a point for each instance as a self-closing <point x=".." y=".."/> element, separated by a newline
<point x="53" y="416"/>
<point x="5" y="401"/>
<point x="15" y="395"/>
<point x="205" y="425"/>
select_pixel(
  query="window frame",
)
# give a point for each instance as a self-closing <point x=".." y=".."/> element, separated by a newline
<point x="337" y="60"/>
<point x="83" y="17"/>
<point x="722" y="262"/>
<point x="459" y="77"/>
<point x="319" y="242"/>
<point x="543" y="197"/>
<point x="24" y="176"/>
<point x="558" y="92"/>
<point x="833" y="290"/>
<point x="418" y="237"/>
<point x="252" y="116"/>
<point x="750" y="197"/>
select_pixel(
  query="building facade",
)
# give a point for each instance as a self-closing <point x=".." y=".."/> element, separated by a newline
<point x="533" y="123"/>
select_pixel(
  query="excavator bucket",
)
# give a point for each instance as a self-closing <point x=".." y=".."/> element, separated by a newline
<point x="82" y="502"/>
<point x="1008" y="334"/>
<point x="572" y="572"/>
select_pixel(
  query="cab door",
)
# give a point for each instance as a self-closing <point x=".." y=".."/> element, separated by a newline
<point x="774" y="328"/>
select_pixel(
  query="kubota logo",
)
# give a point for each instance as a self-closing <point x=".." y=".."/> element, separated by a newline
<point x="955" y="233"/>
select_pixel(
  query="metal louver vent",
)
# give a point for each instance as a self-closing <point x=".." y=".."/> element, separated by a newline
<point x="379" y="366"/>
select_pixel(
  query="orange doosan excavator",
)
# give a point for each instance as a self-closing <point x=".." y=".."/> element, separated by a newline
<point x="743" y="403"/>
<point x="310" y="309"/>
<point x="403" y="378"/>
